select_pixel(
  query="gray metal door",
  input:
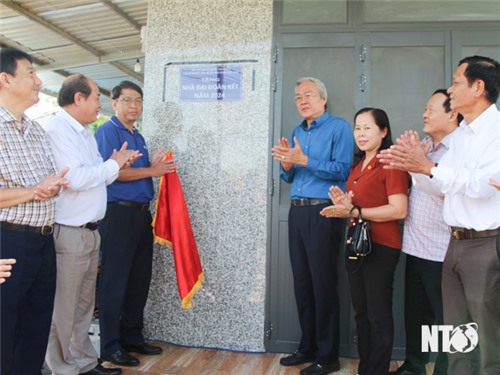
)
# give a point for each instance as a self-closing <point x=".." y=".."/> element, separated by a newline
<point x="402" y="71"/>
<point x="480" y="42"/>
<point x="332" y="59"/>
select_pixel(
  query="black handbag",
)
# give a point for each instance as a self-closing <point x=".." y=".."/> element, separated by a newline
<point x="358" y="242"/>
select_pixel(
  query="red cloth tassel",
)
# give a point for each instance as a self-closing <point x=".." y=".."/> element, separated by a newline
<point x="172" y="228"/>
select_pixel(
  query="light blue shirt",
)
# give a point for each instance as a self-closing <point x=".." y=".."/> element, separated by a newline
<point x="329" y="145"/>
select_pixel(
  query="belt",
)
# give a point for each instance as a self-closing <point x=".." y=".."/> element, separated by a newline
<point x="139" y="206"/>
<point x="309" y="202"/>
<point x="43" y="230"/>
<point x="470" y="234"/>
<point x="92" y="226"/>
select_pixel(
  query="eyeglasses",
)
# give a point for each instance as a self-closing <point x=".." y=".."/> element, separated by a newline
<point x="128" y="101"/>
<point x="308" y="96"/>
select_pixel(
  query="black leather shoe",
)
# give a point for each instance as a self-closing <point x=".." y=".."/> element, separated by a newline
<point x="402" y="371"/>
<point x="143" y="348"/>
<point x="319" y="369"/>
<point x="296" y="359"/>
<point x="99" y="370"/>
<point x="121" y="358"/>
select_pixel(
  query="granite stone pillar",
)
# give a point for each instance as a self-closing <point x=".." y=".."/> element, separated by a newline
<point x="223" y="151"/>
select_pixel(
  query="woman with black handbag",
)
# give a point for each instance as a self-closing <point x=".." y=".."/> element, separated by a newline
<point x="379" y="196"/>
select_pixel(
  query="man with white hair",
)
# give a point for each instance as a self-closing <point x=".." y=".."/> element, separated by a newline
<point x="317" y="156"/>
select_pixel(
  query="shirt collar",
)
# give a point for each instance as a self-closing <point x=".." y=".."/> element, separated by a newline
<point x="372" y="164"/>
<point x="75" y="125"/>
<point x="119" y="124"/>
<point x="445" y="142"/>
<point x="316" y="123"/>
<point x="9" y="117"/>
<point x="447" y="139"/>
<point x="486" y="117"/>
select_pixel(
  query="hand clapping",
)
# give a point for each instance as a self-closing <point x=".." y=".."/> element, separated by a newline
<point x="342" y="203"/>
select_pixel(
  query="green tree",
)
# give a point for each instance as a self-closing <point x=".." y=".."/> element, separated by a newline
<point x="101" y="120"/>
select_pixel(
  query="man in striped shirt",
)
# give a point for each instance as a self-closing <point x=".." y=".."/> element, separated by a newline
<point x="425" y="240"/>
<point x="28" y="185"/>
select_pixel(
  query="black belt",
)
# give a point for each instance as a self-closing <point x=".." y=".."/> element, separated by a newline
<point x="470" y="234"/>
<point x="309" y="202"/>
<point x="139" y="206"/>
<point x="44" y="230"/>
<point x="91" y="226"/>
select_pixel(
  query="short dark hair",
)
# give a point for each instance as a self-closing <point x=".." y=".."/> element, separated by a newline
<point x="382" y="121"/>
<point x="9" y="58"/>
<point x="71" y="85"/>
<point x="484" y="69"/>
<point x="117" y="90"/>
<point x="447" y="104"/>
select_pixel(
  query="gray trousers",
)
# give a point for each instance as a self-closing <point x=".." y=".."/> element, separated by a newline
<point x="70" y="350"/>
<point x="471" y="293"/>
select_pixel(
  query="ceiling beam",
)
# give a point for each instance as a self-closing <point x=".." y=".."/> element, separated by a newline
<point x="67" y="74"/>
<point x="83" y="61"/>
<point x="96" y="56"/>
<point x="5" y="43"/>
<point x="122" y="14"/>
<point x="49" y="25"/>
<point x="127" y="71"/>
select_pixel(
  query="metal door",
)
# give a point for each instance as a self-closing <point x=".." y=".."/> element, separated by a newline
<point x="332" y="59"/>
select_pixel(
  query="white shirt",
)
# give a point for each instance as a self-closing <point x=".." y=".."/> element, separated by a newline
<point x="74" y="146"/>
<point x="463" y="173"/>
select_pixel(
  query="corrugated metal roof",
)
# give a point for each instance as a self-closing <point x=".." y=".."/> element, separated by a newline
<point x="100" y="39"/>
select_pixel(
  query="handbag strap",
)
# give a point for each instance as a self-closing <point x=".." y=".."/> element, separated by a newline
<point x="360" y="219"/>
<point x="349" y="217"/>
<point x="350" y="214"/>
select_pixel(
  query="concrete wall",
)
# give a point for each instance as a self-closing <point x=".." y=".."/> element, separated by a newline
<point x="223" y="153"/>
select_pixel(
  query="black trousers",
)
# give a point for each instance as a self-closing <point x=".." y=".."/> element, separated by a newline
<point x="27" y="301"/>
<point x="371" y="285"/>
<point x="125" y="276"/>
<point x="314" y="245"/>
<point x="423" y="306"/>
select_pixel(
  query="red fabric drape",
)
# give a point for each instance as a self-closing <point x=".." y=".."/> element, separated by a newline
<point x="172" y="228"/>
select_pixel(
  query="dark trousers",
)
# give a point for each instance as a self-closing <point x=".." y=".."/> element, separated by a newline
<point x="471" y="294"/>
<point x="371" y="283"/>
<point x="314" y="244"/>
<point x="423" y="306"/>
<point x="27" y="301"/>
<point x="125" y="276"/>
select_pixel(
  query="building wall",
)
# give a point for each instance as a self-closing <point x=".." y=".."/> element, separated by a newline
<point x="223" y="153"/>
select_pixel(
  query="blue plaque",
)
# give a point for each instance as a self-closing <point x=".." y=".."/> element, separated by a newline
<point x="211" y="83"/>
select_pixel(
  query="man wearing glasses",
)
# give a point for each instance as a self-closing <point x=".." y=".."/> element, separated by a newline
<point x="317" y="156"/>
<point x="127" y="236"/>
